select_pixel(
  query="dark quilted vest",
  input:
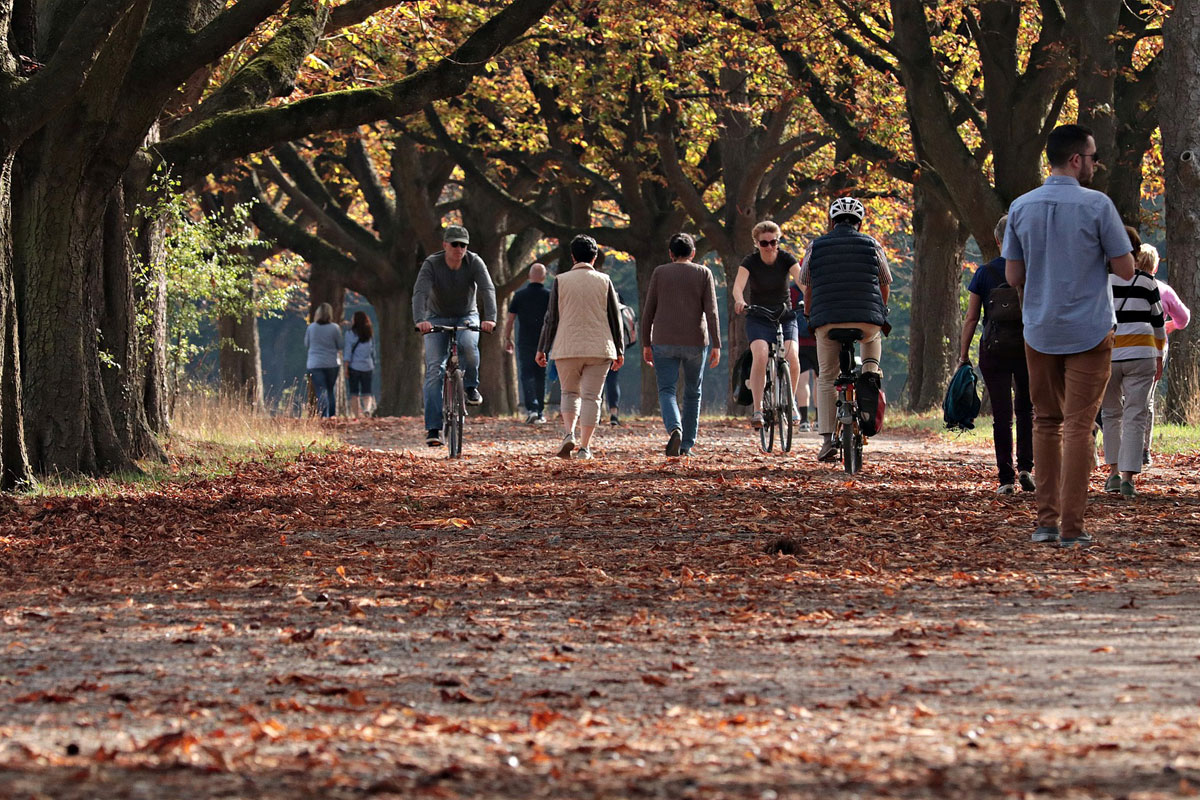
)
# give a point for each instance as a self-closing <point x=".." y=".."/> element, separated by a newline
<point x="844" y="274"/>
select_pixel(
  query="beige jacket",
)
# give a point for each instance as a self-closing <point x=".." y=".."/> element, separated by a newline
<point x="583" y="320"/>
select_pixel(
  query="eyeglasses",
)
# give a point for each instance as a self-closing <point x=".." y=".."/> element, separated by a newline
<point x="458" y="244"/>
<point x="1095" y="157"/>
<point x="768" y="243"/>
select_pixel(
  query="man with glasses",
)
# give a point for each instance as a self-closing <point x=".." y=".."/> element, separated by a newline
<point x="1060" y="242"/>
<point x="846" y="280"/>
<point x="444" y="294"/>
<point x="766" y="272"/>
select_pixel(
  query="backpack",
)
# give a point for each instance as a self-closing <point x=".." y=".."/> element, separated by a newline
<point x="1003" y="331"/>
<point x="872" y="403"/>
<point x="961" y="405"/>
<point x="741" y="379"/>
<point x="628" y="323"/>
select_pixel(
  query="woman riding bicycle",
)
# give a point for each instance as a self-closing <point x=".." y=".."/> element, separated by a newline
<point x="766" y="272"/>
<point x="846" y="279"/>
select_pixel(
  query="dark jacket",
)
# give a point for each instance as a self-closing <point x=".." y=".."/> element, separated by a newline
<point x="844" y="275"/>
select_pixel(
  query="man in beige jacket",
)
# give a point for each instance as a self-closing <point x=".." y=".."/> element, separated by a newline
<point x="582" y="333"/>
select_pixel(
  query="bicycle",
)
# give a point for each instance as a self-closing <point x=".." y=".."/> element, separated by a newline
<point x="454" y="394"/>
<point x="847" y="432"/>
<point x="777" y="391"/>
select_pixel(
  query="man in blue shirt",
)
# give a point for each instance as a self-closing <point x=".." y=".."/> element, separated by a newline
<point x="1061" y="238"/>
<point x="528" y="309"/>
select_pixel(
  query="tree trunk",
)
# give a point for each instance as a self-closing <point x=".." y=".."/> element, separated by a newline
<point x="14" y="460"/>
<point x="939" y="239"/>
<point x="401" y="355"/>
<point x="241" y="358"/>
<point x="738" y="343"/>
<point x="1179" y="117"/>
<point x="151" y="296"/>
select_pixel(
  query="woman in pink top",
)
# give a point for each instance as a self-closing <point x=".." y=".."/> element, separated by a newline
<point x="1178" y="316"/>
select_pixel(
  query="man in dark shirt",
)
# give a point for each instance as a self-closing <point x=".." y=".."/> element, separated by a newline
<point x="528" y="309"/>
<point x="445" y="294"/>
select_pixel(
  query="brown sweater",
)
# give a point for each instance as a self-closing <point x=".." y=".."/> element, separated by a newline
<point x="681" y="306"/>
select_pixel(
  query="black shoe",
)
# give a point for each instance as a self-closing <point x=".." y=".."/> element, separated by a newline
<point x="674" y="442"/>
<point x="1146" y="459"/>
<point x="1026" y="481"/>
<point x="433" y="437"/>
<point x="829" y="451"/>
<point x="1045" y="534"/>
<point x="474" y="398"/>
<point x="614" y="420"/>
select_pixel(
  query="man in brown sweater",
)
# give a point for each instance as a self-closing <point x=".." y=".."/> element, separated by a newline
<point x="682" y="331"/>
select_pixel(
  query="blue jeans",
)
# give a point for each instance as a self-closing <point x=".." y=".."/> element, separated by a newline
<point x="437" y="351"/>
<point x="533" y="380"/>
<point x="668" y="358"/>
<point x="324" y="379"/>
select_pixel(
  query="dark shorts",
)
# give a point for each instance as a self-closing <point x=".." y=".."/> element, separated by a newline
<point x="358" y="382"/>
<point x="761" y="330"/>
<point x="808" y="359"/>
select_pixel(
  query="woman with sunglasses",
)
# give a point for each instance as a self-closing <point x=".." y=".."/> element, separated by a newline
<point x="765" y="272"/>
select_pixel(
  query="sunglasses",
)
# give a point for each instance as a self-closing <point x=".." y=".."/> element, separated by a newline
<point x="458" y="244"/>
<point x="1095" y="157"/>
<point x="768" y="243"/>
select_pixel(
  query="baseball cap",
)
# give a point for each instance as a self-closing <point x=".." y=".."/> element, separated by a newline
<point x="456" y="233"/>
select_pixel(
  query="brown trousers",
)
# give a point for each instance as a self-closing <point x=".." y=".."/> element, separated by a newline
<point x="1066" y="391"/>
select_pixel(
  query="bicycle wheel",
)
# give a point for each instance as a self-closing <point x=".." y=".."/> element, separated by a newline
<point x="453" y="403"/>
<point x="849" y="461"/>
<point x="783" y="416"/>
<point x="858" y="448"/>
<point x="766" y="434"/>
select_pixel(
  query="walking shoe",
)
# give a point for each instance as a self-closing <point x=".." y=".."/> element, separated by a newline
<point x="756" y="420"/>
<point x="1113" y="484"/>
<point x="828" y="451"/>
<point x="1146" y="460"/>
<point x="674" y="442"/>
<point x="795" y="411"/>
<point x="1045" y="533"/>
<point x="1026" y="481"/>
<point x="1006" y="488"/>
<point x="613" y="419"/>
<point x="1082" y="541"/>
<point x="585" y="454"/>
<point x="1127" y="490"/>
<point x="804" y="427"/>
<point x="568" y="444"/>
<point x="433" y="437"/>
<point x="474" y="398"/>
<point x="539" y="420"/>
<point x="531" y="418"/>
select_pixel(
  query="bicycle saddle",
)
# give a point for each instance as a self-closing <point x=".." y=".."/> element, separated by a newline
<point x="846" y="335"/>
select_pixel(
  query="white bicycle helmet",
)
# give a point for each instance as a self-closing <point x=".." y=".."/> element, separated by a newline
<point x="847" y="206"/>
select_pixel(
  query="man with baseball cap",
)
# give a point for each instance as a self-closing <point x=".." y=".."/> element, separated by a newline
<point x="445" y="294"/>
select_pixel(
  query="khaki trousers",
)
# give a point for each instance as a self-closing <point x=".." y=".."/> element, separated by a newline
<point x="582" y="384"/>
<point x="1066" y="392"/>
<point x="870" y="346"/>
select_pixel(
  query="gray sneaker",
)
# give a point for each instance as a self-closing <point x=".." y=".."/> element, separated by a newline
<point x="756" y="420"/>
<point x="584" y="454"/>
<point x="1127" y="490"/>
<point x="673" y="444"/>
<point x="1113" y="484"/>
<point x="1045" y="533"/>
<point x="828" y="451"/>
<point x="568" y="444"/>
<point x="1082" y="541"/>
<point x="1006" y="488"/>
<point x="1026" y="481"/>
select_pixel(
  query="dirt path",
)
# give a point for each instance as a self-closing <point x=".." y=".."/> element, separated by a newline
<point x="380" y="622"/>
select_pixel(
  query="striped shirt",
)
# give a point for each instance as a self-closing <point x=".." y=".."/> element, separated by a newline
<point x="1140" y="330"/>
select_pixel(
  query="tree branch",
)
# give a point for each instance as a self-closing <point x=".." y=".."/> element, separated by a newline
<point x="381" y="205"/>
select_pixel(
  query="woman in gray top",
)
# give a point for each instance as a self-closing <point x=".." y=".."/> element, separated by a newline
<point x="323" y="340"/>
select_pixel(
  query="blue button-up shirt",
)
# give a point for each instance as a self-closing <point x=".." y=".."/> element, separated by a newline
<point x="1066" y="235"/>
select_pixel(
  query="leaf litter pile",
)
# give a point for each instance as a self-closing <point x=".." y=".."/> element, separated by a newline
<point x="382" y="622"/>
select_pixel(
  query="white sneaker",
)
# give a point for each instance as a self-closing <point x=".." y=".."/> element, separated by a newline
<point x="568" y="444"/>
<point x="531" y="418"/>
<point x="539" y="420"/>
<point x="584" y="454"/>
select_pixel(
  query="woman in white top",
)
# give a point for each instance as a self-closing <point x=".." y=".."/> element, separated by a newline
<point x="582" y="333"/>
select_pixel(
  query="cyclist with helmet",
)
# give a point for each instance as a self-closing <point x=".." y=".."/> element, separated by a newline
<point x="766" y="272"/>
<point x="845" y="278"/>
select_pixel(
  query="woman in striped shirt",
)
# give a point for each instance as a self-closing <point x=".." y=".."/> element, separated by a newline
<point x="1136" y="365"/>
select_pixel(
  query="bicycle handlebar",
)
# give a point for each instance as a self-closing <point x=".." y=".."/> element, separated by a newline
<point x="453" y="328"/>
<point x="771" y="314"/>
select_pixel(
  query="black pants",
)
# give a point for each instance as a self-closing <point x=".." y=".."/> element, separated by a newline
<point x="612" y="389"/>
<point x="533" y="380"/>
<point x="1007" y="381"/>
